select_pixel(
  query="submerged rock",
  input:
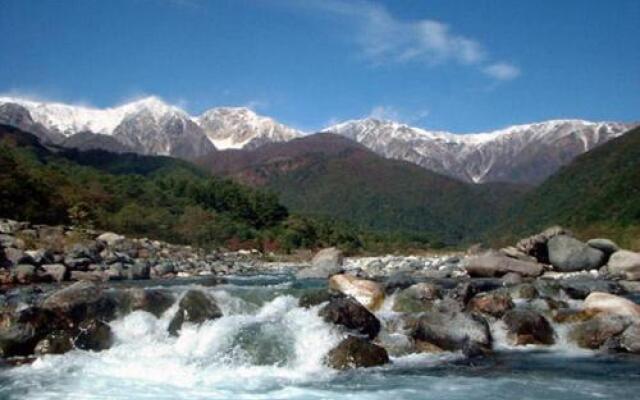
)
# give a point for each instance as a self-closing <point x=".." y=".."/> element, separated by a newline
<point x="528" y="327"/>
<point x="354" y="352"/>
<point x="195" y="307"/>
<point x="352" y="315"/>
<point x="568" y="254"/>
<point x="368" y="293"/>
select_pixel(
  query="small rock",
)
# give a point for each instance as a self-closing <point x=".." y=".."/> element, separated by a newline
<point x="493" y="303"/>
<point x="24" y="273"/>
<point x="354" y="352"/>
<point x="139" y="271"/>
<point x="111" y="239"/>
<point x="94" y="335"/>
<point x="604" y="245"/>
<point x="512" y="278"/>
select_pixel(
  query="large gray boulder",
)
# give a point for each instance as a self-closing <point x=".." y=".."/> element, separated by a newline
<point x="567" y="254"/>
<point x="325" y="263"/>
<point x="452" y="331"/>
<point x="354" y="352"/>
<point x="494" y="264"/>
<point x="625" y="264"/>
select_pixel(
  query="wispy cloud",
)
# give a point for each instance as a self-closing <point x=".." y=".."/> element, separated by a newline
<point x="502" y="71"/>
<point x="392" y="113"/>
<point x="385" y="39"/>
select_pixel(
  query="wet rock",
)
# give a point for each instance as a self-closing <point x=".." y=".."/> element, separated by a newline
<point x="368" y="293"/>
<point x="94" y="335"/>
<point x="115" y="272"/>
<point x="567" y="254"/>
<point x="611" y="304"/>
<point x="581" y="288"/>
<point x="452" y="331"/>
<point x="398" y="280"/>
<point x="195" y="307"/>
<point x="417" y="298"/>
<point x="528" y="327"/>
<point x="571" y="316"/>
<point x="21" y="331"/>
<point x="597" y="331"/>
<point x="625" y="264"/>
<point x="139" y="271"/>
<point x="525" y="291"/>
<point x="57" y="342"/>
<point x="490" y="265"/>
<point x="630" y="339"/>
<point x="57" y="272"/>
<point x="164" y="268"/>
<point x="325" y="263"/>
<point x="493" y="303"/>
<point x="536" y="245"/>
<point x="604" y="245"/>
<point x="80" y="301"/>
<point x="154" y="301"/>
<point x="319" y="296"/>
<point x="354" y="352"/>
<point x="352" y="315"/>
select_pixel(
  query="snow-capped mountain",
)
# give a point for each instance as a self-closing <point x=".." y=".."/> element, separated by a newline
<point x="521" y="154"/>
<point x="146" y="126"/>
<point x="238" y="127"/>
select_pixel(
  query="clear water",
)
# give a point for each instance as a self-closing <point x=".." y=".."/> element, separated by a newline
<point x="266" y="347"/>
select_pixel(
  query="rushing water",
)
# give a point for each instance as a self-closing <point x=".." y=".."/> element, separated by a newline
<point x="266" y="347"/>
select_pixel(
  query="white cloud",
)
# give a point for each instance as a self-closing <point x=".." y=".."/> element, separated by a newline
<point x="386" y="39"/>
<point x="502" y="71"/>
<point x="385" y="112"/>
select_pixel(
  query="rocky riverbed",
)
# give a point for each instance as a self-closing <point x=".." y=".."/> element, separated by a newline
<point x="548" y="293"/>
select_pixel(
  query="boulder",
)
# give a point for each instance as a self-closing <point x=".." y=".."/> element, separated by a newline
<point x="536" y="245"/>
<point x="595" y="332"/>
<point x="16" y="256"/>
<point x="80" y="301"/>
<point x="452" y="331"/>
<point x="325" y="263"/>
<point x="611" y="304"/>
<point x="492" y="303"/>
<point x="355" y="352"/>
<point x="417" y="298"/>
<point x="94" y="335"/>
<point x="164" y="268"/>
<point x="625" y="264"/>
<point x="154" y="301"/>
<point x="527" y="327"/>
<point x="57" y="342"/>
<point x="7" y="240"/>
<point x="490" y="265"/>
<point x="40" y="256"/>
<point x="514" y="252"/>
<point x="368" y="293"/>
<point x="567" y="254"/>
<point x="604" y="245"/>
<point x="630" y="339"/>
<point x="111" y="239"/>
<point x="315" y="297"/>
<point x="11" y="227"/>
<point x="24" y="273"/>
<point x="21" y="331"/>
<point x="195" y="307"/>
<point x="352" y="315"/>
<point x="56" y="272"/>
<point x="139" y="271"/>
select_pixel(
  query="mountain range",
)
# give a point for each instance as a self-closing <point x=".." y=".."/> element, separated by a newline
<point x="525" y="154"/>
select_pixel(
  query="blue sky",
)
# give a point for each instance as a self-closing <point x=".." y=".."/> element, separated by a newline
<point x="456" y="65"/>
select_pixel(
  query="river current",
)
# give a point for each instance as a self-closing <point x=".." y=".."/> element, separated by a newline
<point x="267" y="347"/>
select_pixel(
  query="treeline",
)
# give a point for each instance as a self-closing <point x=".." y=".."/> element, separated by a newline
<point x="162" y="198"/>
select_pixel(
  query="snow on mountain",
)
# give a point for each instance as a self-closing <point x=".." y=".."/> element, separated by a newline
<point x="520" y="154"/>
<point x="148" y="126"/>
<point x="238" y="127"/>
